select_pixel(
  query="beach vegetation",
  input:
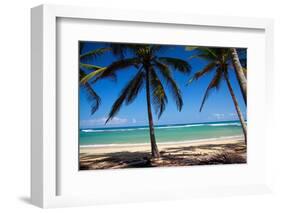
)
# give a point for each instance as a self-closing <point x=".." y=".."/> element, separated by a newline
<point x="219" y="62"/>
<point x="84" y="66"/>
<point x="154" y="73"/>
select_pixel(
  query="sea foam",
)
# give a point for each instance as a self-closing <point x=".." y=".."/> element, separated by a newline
<point x="162" y="127"/>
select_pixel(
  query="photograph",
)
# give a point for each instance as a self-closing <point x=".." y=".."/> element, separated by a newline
<point x="161" y="105"/>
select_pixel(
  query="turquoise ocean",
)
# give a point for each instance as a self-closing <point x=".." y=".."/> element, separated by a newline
<point x="164" y="133"/>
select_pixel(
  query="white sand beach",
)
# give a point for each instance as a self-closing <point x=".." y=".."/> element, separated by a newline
<point x="213" y="151"/>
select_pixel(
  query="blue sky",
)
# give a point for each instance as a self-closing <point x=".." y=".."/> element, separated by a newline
<point x="218" y="107"/>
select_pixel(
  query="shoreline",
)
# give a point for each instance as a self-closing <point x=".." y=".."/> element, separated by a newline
<point x="162" y="143"/>
<point x="146" y="127"/>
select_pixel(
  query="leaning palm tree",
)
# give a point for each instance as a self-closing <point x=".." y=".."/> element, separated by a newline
<point x="239" y="71"/>
<point x="84" y="68"/>
<point x="219" y="60"/>
<point x="151" y="70"/>
<point x="242" y="54"/>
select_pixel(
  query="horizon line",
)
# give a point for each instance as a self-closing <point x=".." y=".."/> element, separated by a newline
<point x="158" y="124"/>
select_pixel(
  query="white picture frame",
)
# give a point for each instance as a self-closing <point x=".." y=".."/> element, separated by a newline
<point x="44" y="153"/>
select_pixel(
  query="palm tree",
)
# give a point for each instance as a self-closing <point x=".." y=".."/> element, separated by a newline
<point x="84" y="66"/>
<point x="242" y="54"/>
<point x="151" y="71"/>
<point x="239" y="73"/>
<point x="218" y="61"/>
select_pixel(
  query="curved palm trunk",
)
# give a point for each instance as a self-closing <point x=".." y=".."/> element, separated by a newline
<point x="239" y="113"/>
<point x="154" y="149"/>
<point x="239" y="73"/>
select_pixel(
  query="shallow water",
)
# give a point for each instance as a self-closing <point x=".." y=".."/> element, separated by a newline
<point x="164" y="133"/>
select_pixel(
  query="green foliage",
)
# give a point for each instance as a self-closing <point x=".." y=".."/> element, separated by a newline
<point x="175" y="63"/>
<point x="173" y="87"/>
<point x="159" y="98"/>
<point x="218" y="62"/>
<point x="119" y="65"/>
<point x="91" y="75"/>
<point x="215" y="83"/>
<point x="89" y="66"/>
<point x="128" y="94"/>
<point x="95" y="72"/>
<point x="92" y="95"/>
<point x="145" y="59"/>
<point x="191" y="48"/>
<point x="94" y="53"/>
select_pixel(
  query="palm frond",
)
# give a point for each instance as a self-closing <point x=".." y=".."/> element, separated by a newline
<point x="118" y="65"/>
<point x="94" y="53"/>
<point x="203" y="56"/>
<point x="208" y="54"/>
<point x="202" y="72"/>
<point x="176" y="63"/>
<point x="92" y="95"/>
<point x="173" y="87"/>
<point x="91" y="75"/>
<point x="191" y="48"/>
<point x="215" y="83"/>
<point x="212" y="52"/>
<point x="136" y="86"/>
<point x="157" y="48"/>
<point x="128" y="94"/>
<point x="120" y="50"/>
<point x="89" y="66"/>
<point x="159" y="98"/>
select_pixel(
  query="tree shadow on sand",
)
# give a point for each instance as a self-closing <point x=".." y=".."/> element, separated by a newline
<point x="170" y="156"/>
<point x="112" y="160"/>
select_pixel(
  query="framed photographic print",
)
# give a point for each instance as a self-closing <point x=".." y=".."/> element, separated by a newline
<point x="185" y="134"/>
<point x="130" y="106"/>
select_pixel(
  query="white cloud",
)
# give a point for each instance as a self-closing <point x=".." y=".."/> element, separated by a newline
<point x="117" y="120"/>
<point x="232" y="114"/>
<point x="134" y="121"/>
<point x="218" y="116"/>
<point x="101" y="121"/>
